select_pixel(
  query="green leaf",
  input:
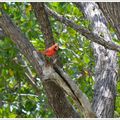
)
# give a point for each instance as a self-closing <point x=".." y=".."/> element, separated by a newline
<point x="86" y="58"/>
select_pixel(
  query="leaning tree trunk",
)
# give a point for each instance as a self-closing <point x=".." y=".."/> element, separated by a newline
<point x="106" y="63"/>
<point x="66" y="83"/>
<point x="56" y="96"/>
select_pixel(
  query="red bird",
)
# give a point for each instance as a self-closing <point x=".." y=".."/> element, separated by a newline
<point x="51" y="51"/>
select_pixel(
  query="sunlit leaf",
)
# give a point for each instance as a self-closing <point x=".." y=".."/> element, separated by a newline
<point x="86" y="58"/>
<point x="28" y="9"/>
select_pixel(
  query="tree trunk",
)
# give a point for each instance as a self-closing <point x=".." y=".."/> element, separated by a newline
<point x="67" y="84"/>
<point x="111" y="11"/>
<point x="105" y="70"/>
<point x="55" y="94"/>
<point x="58" y="101"/>
<point x="106" y="63"/>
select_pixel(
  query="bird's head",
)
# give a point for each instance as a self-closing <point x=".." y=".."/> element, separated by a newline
<point x="56" y="46"/>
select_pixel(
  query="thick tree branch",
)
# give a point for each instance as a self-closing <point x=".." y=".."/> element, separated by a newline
<point x="45" y="73"/>
<point x="22" y="43"/>
<point x="80" y="98"/>
<point x="54" y="92"/>
<point x="20" y="40"/>
<point x="45" y="26"/>
<point x="36" y="61"/>
<point x="58" y="76"/>
<point x="43" y="20"/>
<point x="88" y="34"/>
<point x="61" y="78"/>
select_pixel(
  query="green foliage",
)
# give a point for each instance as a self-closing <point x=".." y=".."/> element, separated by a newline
<point x="19" y="98"/>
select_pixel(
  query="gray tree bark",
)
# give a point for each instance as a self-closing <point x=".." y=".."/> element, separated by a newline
<point x="106" y="63"/>
<point x="105" y="70"/>
<point x="111" y="11"/>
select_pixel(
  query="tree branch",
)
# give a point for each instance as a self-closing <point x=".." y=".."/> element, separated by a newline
<point x="88" y="34"/>
<point x="80" y="98"/>
<point x="45" y="26"/>
<point x="51" y="88"/>
<point x="28" y="73"/>
<point x="21" y="41"/>
<point x="58" y="75"/>
<point x="46" y="73"/>
<point x="37" y="62"/>
<point x="43" y="20"/>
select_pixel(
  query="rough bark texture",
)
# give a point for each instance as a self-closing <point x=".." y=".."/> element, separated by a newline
<point x="20" y="40"/>
<point x="106" y="64"/>
<point x="28" y="50"/>
<point x="65" y="83"/>
<point x="58" y="101"/>
<point x="105" y="68"/>
<point x="56" y="96"/>
<point x="48" y="74"/>
<point x="111" y="11"/>
<point x="44" y="23"/>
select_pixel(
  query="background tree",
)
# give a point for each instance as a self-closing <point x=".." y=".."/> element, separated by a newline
<point x="26" y="78"/>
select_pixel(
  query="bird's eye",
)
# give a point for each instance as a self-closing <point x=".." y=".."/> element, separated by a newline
<point x="56" y="47"/>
